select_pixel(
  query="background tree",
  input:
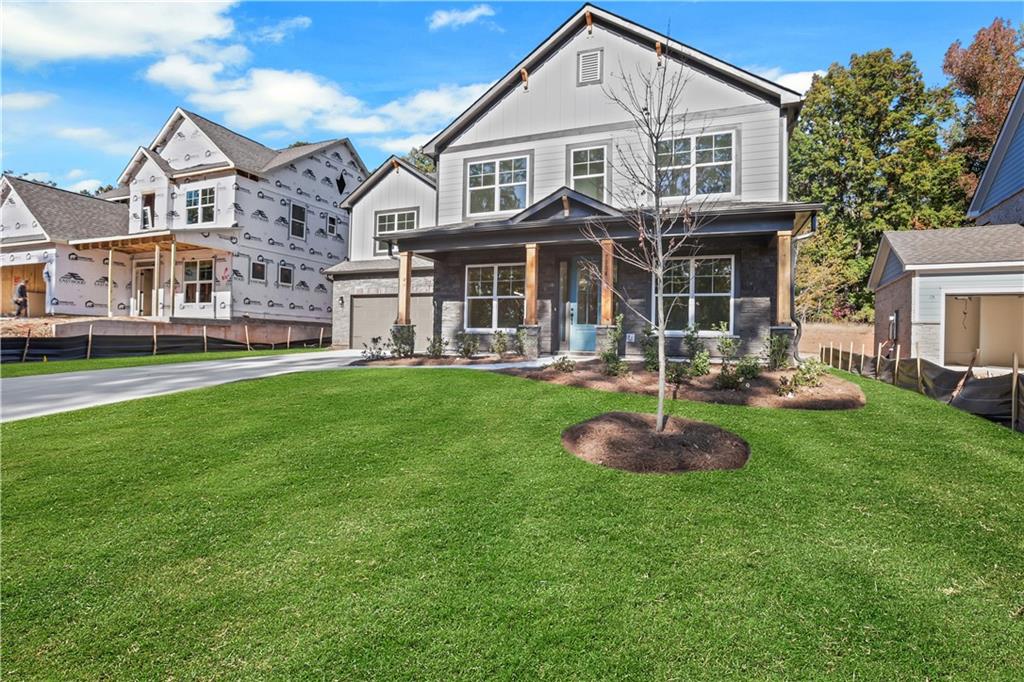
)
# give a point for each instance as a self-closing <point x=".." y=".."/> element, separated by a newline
<point x="423" y="162"/>
<point x="28" y="176"/>
<point x="985" y="76"/>
<point x="299" y="143"/>
<point x="868" y="147"/>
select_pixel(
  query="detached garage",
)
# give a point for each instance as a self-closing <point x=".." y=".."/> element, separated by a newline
<point x="952" y="296"/>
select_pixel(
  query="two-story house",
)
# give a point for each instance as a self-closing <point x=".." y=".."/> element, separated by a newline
<point x="494" y="241"/>
<point x="205" y="224"/>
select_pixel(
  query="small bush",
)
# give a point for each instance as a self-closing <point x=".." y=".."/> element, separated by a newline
<point x="518" y="342"/>
<point x="728" y="378"/>
<point x="692" y="342"/>
<point x="677" y="373"/>
<point x="499" y="343"/>
<point x="564" y="364"/>
<point x="375" y="350"/>
<point x="466" y="344"/>
<point x="403" y="341"/>
<point x="728" y="345"/>
<point x="613" y="364"/>
<point x="700" y="364"/>
<point x="776" y="352"/>
<point x="748" y="368"/>
<point x="437" y="346"/>
<point x="649" y="345"/>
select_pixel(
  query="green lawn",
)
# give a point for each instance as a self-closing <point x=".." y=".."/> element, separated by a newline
<point x="21" y="369"/>
<point x="427" y="524"/>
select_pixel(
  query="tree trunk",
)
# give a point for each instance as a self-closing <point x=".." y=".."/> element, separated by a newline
<point x="662" y="365"/>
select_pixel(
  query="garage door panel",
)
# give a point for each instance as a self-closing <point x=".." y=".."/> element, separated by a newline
<point x="373" y="316"/>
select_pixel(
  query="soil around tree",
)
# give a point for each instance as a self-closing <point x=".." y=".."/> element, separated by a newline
<point x="443" y="361"/>
<point x="833" y="393"/>
<point x="628" y="441"/>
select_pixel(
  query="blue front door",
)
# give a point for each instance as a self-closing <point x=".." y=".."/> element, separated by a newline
<point x="584" y="304"/>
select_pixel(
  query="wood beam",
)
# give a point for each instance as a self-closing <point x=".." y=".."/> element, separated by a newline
<point x="783" y="277"/>
<point x="404" y="288"/>
<point x="530" y="318"/>
<point x="170" y="283"/>
<point x="607" y="274"/>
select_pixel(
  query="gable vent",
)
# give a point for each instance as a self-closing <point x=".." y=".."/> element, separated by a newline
<point x="588" y="67"/>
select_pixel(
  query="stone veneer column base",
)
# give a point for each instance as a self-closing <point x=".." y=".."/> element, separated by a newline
<point x="531" y="347"/>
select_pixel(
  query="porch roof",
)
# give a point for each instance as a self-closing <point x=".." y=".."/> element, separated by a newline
<point x="138" y="243"/>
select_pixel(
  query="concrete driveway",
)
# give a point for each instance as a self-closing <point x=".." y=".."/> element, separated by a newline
<point x="34" y="396"/>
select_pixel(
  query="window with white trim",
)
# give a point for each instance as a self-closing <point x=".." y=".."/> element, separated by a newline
<point x="696" y="165"/>
<point x="396" y="221"/>
<point x="285" y="275"/>
<point x="198" y="280"/>
<point x="199" y="205"/>
<point x="332" y="225"/>
<point x="699" y="291"/>
<point x="588" y="171"/>
<point x="495" y="296"/>
<point x="297" y="224"/>
<point x="498" y="185"/>
<point x="257" y="271"/>
<point x="148" y="209"/>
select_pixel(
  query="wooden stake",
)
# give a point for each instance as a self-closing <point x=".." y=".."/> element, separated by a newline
<point x="204" y="339"/>
<point x="288" y="343"/>
<point x="862" y="359"/>
<point x="321" y="337"/>
<point x="821" y="352"/>
<point x="920" y="382"/>
<point x="878" y="360"/>
<point x="849" y="365"/>
<point x="24" y="352"/>
<point x="1014" y="407"/>
<point x="963" y="379"/>
<point x="247" y="346"/>
<point x="830" y="353"/>
<point x="896" y="367"/>
<point x="88" y="346"/>
<point x="154" y="339"/>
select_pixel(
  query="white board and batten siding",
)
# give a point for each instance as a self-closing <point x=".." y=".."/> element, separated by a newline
<point x="563" y="106"/>
<point x="398" y="190"/>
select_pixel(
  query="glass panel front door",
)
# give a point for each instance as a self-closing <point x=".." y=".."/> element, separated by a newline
<point x="584" y="304"/>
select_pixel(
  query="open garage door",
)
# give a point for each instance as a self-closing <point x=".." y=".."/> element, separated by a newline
<point x="32" y="275"/>
<point x="373" y="316"/>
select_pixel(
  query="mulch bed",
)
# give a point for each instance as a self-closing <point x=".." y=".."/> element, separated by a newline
<point x="628" y="441"/>
<point x="445" y="361"/>
<point x="833" y="394"/>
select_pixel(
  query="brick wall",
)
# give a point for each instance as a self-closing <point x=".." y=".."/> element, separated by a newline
<point x="894" y="296"/>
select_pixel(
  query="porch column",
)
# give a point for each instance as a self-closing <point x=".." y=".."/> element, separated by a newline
<point x="404" y="288"/>
<point x="783" y="277"/>
<point x="156" y="279"/>
<point x="530" y="317"/>
<point x="110" y="282"/>
<point x="607" y="273"/>
<point x="170" y="285"/>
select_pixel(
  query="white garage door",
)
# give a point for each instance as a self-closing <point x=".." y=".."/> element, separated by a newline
<point x="373" y="316"/>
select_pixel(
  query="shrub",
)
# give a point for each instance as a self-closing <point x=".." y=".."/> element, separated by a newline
<point x="807" y="374"/>
<point x="613" y="364"/>
<point x="649" y="345"/>
<point x="436" y="346"/>
<point x="700" y="364"/>
<point x="676" y="373"/>
<point x="518" y="342"/>
<point x="564" y="364"/>
<point x="499" y="343"/>
<point x="376" y="350"/>
<point x="728" y="378"/>
<point x="748" y="368"/>
<point x="466" y="344"/>
<point x="728" y="345"/>
<point x="776" y="352"/>
<point x="403" y="341"/>
<point x="692" y="342"/>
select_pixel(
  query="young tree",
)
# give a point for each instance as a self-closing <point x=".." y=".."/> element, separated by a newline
<point x="647" y="172"/>
<point x="985" y="75"/>
<point x="868" y="147"/>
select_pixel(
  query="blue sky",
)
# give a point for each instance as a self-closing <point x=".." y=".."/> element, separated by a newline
<point x="85" y="83"/>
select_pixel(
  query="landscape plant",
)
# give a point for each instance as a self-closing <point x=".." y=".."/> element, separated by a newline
<point x="807" y="375"/>
<point x="614" y="365"/>
<point x="437" y="346"/>
<point x="564" y="364"/>
<point x="776" y="352"/>
<point x="466" y="344"/>
<point x="499" y="343"/>
<point x="649" y="347"/>
<point x="518" y="342"/>
<point x="376" y="349"/>
<point x="403" y="341"/>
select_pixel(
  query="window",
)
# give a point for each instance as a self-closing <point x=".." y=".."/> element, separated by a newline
<point x="285" y="275"/>
<point x="199" y="206"/>
<point x="588" y="67"/>
<point x="332" y="225"/>
<point x="396" y="221"/>
<point x="495" y="296"/>
<point x="258" y="271"/>
<point x="698" y="291"/>
<point x="699" y="164"/>
<point x="148" y="204"/>
<point x="498" y="185"/>
<point x="198" y="281"/>
<point x="298" y="221"/>
<point x="588" y="172"/>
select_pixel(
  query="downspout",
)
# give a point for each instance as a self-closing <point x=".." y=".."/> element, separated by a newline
<point x="794" y="254"/>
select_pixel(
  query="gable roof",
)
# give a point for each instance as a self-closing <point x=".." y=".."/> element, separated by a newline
<point x="978" y="246"/>
<point x="1007" y="151"/>
<point x="564" y="200"/>
<point x="382" y="171"/>
<point x="65" y="215"/>
<point x="783" y="96"/>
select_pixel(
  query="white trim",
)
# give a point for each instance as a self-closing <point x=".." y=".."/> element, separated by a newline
<point x="967" y="266"/>
<point x="498" y="184"/>
<point x="199" y="206"/>
<point x="327" y="224"/>
<point x="291" y="219"/>
<point x="252" y="278"/>
<point x="959" y="291"/>
<point x="185" y="282"/>
<point x="290" y="268"/>
<point x="493" y="297"/>
<point x="604" y="176"/>
<point x="693" y="295"/>
<point x="693" y="165"/>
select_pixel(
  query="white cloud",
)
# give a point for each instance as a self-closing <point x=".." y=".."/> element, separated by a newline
<point x="92" y="185"/>
<point x="429" y="109"/>
<point x="275" y="33"/>
<point x="456" y="18"/>
<point x="38" y="176"/>
<point x="23" y="101"/>
<point x="799" y="81"/>
<point x="53" y="31"/>
<point x="182" y="72"/>
<point x="97" y="138"/>
<point x="74" y="174"/>
<point x="400" y="145"/>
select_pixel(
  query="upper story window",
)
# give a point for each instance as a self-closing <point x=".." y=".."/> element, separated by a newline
<point x="285" y="275"/>
<point x="696" y="165"/>
<point x="148" y="209"/>
<point x="588" y="67"/>
<point x="395" y="221"/>
<point x="588" y="172"/>
<point x="199" y="205"/>
<point x="258" y="271"/>
<point x="332" y="225"/>
<point x="297" y="225"/>
<point x="498" y="185"/>
<point x="198" y="281"/>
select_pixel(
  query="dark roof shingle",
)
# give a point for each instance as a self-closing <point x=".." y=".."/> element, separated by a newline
<point x="951" y="246"/>
<point x="65" y="215"/>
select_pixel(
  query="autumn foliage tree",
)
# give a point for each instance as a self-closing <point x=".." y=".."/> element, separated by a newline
<point x="985" y="76"/>
<point x="868" y="145"/>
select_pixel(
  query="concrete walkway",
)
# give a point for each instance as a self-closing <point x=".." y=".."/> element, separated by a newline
<point x="35" y="396"/>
